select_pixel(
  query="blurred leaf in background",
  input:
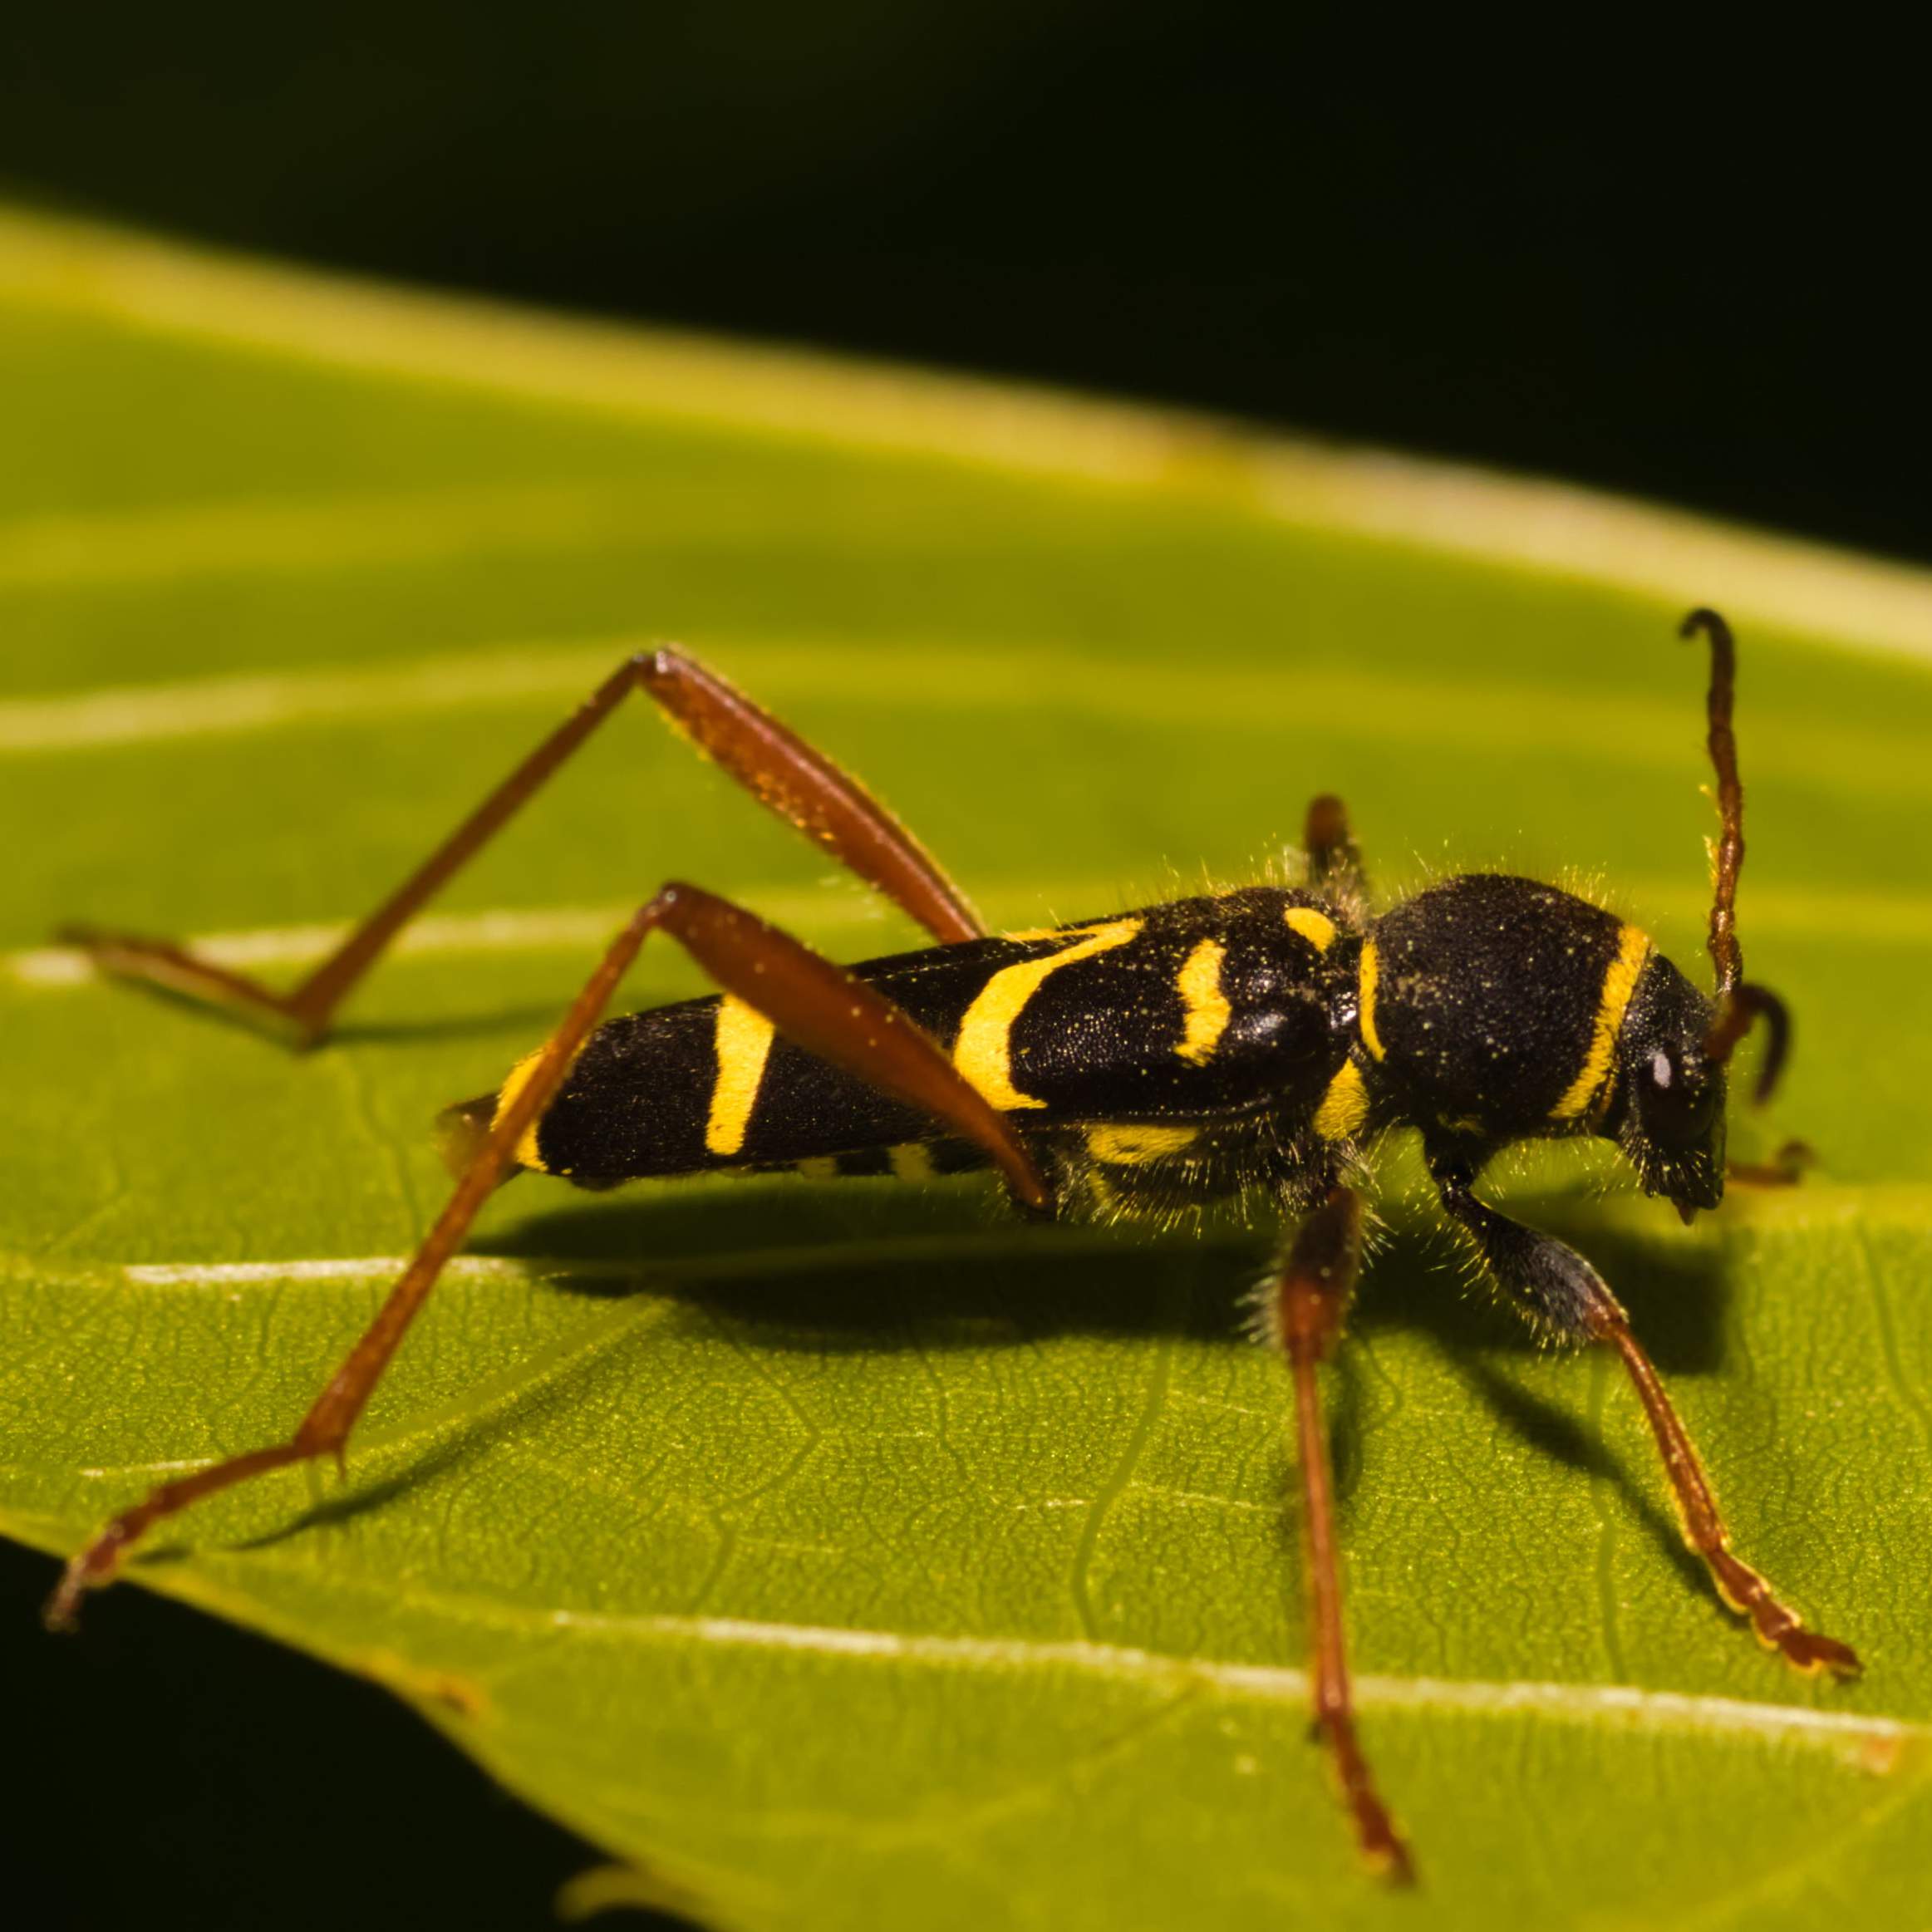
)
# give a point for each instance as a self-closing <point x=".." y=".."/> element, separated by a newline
<point x="1290" y="213"/>
<point x="842" y="1555"/>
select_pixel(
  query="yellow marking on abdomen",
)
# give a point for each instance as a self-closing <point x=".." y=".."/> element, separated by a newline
<point x="1344" y="1106"/>
<point x="1369" y="977"/>
<point x="1206" y="1005"/>
<point x="817" y="1168"/>
<point x="515" y="1081"/>
<point x="1317" y="928"/>
<point x="526" y="1144"/>
<point x="1133" y="1147"/>
<point x="743" y="1044"/>
<point x="984" y="1050"/>
<point x="913" y="1162"/>
<point x="1620" y="981"/>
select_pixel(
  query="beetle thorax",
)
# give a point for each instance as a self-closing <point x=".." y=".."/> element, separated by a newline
<point x="1494" y="1005"/>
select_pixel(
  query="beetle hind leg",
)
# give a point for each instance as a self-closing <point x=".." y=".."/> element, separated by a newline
<point x="802" y="995"/>
<point x="784" y="773"/>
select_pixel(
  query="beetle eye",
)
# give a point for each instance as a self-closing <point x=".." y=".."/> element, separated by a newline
<point x="1660" y="1069"/>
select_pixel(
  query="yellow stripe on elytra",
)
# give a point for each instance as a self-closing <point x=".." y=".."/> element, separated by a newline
<point x="1205" y="1005"/>
<point x="1317" y="928"/>
<point x="1369" y="975"/>
<point x="1620" y="981"/>
<point x="515" y="1081"/>
<point x="984" y="1050"/>
<point x="1133" y="1147"/>
<point x="1344" y="1106"/>
<point x="743" y="1044"/>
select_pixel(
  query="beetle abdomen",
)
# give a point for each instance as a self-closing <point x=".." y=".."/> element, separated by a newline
<point x="1204" y="1009"/>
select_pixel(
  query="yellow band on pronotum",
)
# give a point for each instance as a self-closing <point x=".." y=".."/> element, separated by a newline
<point x="1620" y="981"/>
<point x="1369" y="976"/>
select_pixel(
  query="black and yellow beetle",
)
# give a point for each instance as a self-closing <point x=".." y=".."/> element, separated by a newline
<point x="1258" y="1041"/>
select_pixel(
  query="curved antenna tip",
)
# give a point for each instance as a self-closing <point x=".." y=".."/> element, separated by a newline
<point x="1705" y="621"/>
<point x="1735" y="1015"/>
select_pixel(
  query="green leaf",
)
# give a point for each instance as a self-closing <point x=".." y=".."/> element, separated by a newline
<point x="842" y="1554"/>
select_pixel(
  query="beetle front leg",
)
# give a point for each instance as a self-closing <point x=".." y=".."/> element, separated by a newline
<point x="1569" y="1301"/>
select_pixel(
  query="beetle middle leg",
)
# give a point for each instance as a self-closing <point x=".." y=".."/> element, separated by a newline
<point x="1307" y="1302"/>
<point x="805" y="996"/>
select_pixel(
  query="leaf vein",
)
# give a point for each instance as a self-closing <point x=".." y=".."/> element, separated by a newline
<point x="1623" y="1706"/>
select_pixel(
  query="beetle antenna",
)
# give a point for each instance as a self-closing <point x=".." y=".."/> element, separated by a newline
<point x="1738" y="1004"/>
<point x="1725" y="955"/>
<point x="1745" y="1005"/>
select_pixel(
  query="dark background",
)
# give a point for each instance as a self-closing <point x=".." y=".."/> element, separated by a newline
<point x="1652" y="254"/>
<point x="1647" y="255"/>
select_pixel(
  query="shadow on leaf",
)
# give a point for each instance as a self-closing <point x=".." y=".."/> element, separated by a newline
<point x="828" y="1267"/>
